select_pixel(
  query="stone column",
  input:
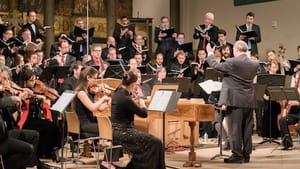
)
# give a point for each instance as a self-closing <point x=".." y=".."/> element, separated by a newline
<point x="175" y="14"/>
<point x="111" y="16"/>
<point x="49" y="21"/>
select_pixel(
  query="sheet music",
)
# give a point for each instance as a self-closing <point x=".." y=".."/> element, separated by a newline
<point x="64" y="100"/>
<point x="160" y="100"/>
<point x="210" y="86"/>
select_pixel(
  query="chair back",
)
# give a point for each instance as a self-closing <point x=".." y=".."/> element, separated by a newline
<point x="105" y="127"/>
<point x="73" y="123"/>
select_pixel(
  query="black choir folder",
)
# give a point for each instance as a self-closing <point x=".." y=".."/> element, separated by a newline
<point x="187" y="47"/>
<point x="249" y="34"/>
<point x="164" y="101"/>
<point x="169" y="32"/>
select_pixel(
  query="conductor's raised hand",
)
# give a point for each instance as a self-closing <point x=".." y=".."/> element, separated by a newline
<point x="209" y="48"/>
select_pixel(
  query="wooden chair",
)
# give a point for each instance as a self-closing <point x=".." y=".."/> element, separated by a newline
<point x="105" y="133"/>
<point x="73" y="127"/>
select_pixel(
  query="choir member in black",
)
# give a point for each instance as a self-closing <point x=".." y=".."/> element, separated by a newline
<point x="112" y="54"/>
<point x="139" y="59"/>
<point x="249" y="26"/>
<point x="132" y="64"/>
<point x="111" y="42"/>
<point x="139" y="47"/>
<point x="2" y="59"/>
<point x="165" y="44"/>
<point x="70" y="82"/>
<point x="33" y="25"/>
<point x="159" y="60"/>
<point x="198" y="73"/>
<point x="275" y="107"/>
<point x="179" y="67"/>
<point x="147" y="151"/>
<point x="55" y="47"/>
<point x="206" y="32"/>
<point x="180" y="41"/>
<point x="9" y="51"/>
<point x="222" y="41"/>
<point x="291" y="116"/>
<point x="84" y="104"/>
<point x="124" y="33"/>
<point x="36" y="115"/>
<point x="80" y="46"/>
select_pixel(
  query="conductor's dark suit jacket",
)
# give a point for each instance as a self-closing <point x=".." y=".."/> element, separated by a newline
<point x="237" y="86"/>
<point x="257" y="39"/>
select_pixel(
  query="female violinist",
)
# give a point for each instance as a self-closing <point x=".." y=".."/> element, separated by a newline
<point x="36" y="115"/>
<point x="84" y="104"/>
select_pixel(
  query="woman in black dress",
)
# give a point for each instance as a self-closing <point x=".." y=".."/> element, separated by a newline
<point x="146" y="149"/>
<point x="84" y="103"/>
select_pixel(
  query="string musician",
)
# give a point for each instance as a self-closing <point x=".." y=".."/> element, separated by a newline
<point x="291" y="115"/>
<point x="147" y="150"/>
<point x="206" y="32"/>
<point x="36" y="115"/>
<point x="84" y="104"/>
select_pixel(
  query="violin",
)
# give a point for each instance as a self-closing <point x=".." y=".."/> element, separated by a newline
<point x="41" y="88"/>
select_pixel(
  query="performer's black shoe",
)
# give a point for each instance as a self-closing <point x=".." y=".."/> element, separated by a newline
<point x="54" y="155"/>
<point x="287" y="142"/>
<point x="246" y="159"/>
<point x="232" y="159"/>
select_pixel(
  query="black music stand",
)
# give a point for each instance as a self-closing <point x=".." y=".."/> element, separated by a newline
<point x="149" y="79"/>
<point x="183" y="83"/>
<point x="283" y="93"/>
<point x="54" y="73"/>
<point x="213" y="74"/>
<point x="60" y="106"/>
<point x="115" y="71"/>
<point x="271" y="80"/>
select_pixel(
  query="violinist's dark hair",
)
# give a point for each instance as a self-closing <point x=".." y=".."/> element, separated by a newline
<point x="86" y="72"/>
<point x="24" y="75"/>
<point x="129" y="78"/>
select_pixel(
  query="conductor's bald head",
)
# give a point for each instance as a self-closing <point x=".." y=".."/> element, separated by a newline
<point x="240" y="47"/>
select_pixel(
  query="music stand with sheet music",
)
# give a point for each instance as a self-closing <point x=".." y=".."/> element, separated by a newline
<point x="54" y="73"/>
<point x="115" y="71"/>
<point x="164" y="101"/>
<point x="270" y="80"/>
<point x="60" y="106"/>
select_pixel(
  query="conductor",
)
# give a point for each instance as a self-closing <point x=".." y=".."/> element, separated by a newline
<point x="237" y="98"/>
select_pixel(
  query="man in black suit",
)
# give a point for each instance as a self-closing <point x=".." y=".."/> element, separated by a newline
<point x="138" y="47"/>
<point x="33" y="25"/>
<point x="165" y="43"/>
<point x="249" y="26"/>
<point x="206" y="32"/>
<point x="124" y="33"/>
<point x="237" y="98"/>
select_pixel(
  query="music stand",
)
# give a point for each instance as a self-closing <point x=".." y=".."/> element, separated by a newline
<point x="54" y="73"/>
<point x="271" y="80"/>
<point x="115" y="71"/>
<point x="183" y="83"/>
<point x="164" y="101"/>
<point x="217" y="76"/>
<point x="149" y="79"/>
<point x="60" y="106"/>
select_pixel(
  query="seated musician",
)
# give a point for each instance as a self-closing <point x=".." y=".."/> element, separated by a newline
<point x="97" y="60"/>
<point x="20" y="144"/>
<point x="147" y="150"/>
<point x="161" y="73"/>
<point x="132" y="63"/>
<point x="143" y="90"/>
<point x="70" y="82"/>
<point x="84" y="104"/>
<point x="36" y="115"/>
<point x="275" y="107"/>
<point x="179" y="67"/>
<point x="290" y="117"/>
<point x="31" y="58"/>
